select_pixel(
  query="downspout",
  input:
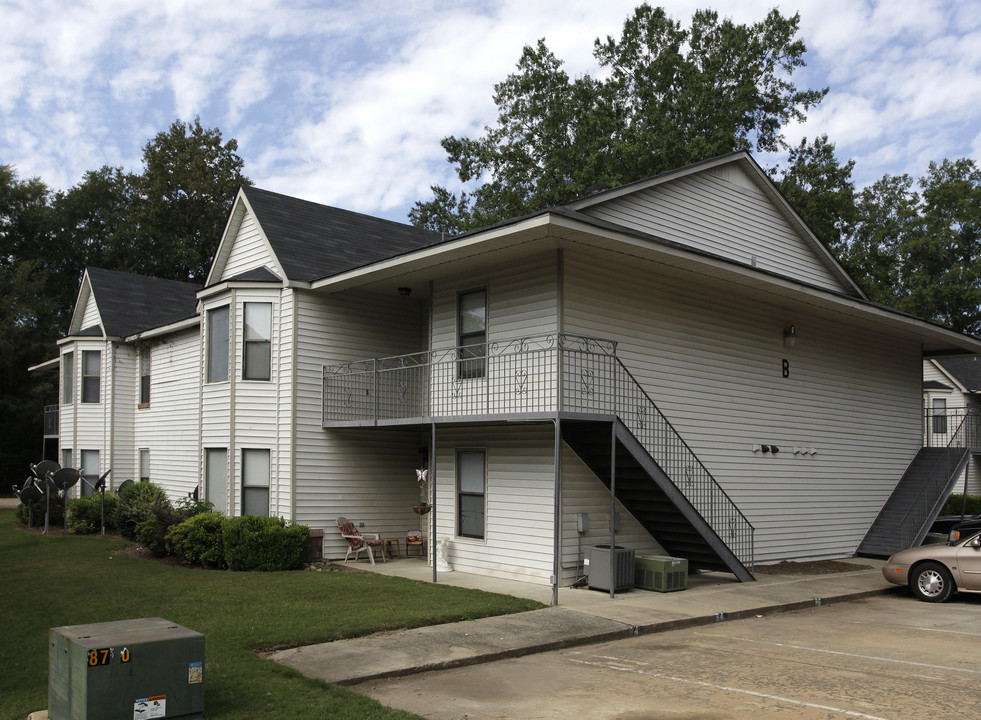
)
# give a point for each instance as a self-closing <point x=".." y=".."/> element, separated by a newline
<point x="232" y="370"/>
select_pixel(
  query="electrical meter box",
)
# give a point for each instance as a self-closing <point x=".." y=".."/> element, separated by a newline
<point x="126" y="670"/>
<point x="661" y="573"/>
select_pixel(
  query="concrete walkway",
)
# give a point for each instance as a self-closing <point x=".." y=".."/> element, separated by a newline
<point x="581" y="617"/>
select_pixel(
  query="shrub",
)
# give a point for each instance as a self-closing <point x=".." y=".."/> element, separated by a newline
<point x="956" y="501"/>
<point x="85" y="514"/>
<point x="151" y="533"/>
<point x="198" y="540"/>
<point x="57" y="516"/>
<point x="136" y="505"/>
<point x="264" y="543"/>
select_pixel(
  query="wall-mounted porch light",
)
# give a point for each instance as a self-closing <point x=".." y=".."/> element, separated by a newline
<point x="790" y="336"/>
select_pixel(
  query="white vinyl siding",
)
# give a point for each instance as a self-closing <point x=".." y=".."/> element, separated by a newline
<point x="90" y="315"/>
<point x="248" y="252"/>
<point x="710" y="355"/>
<point x="365" y="475"/>
<point x="168" y="428"/>
<point x="519" y="505"/>
<point x="725" y="215"/>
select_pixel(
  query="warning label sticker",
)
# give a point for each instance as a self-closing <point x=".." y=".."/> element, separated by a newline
<point x="195" y="673"/>
<point x="154" y="706"/>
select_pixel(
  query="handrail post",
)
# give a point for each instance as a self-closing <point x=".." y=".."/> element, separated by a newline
<point x="376" y="381"/>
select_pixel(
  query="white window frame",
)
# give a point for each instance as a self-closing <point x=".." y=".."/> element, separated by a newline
<point x="90" y="380"/>
<point x="472" y="334"/>
<point x="257" y="341"/>
<point x="461" y="494"/>
<point x="68" y="378"/>
<point x="216" y="366"/>
<point x="216" y="478"/>
<point x="256" y="467"/>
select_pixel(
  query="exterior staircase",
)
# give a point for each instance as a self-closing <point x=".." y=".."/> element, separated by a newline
<point x="651" y="497"/>
<point x="915" y="503"/>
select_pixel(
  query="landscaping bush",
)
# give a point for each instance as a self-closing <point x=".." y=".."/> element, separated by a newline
<point x="956" y="501"/>
<point x="136" y="505"/>
<point x="264" y="543"/>
<point x="57" y="511"/>
<point x="152" y="532"/>
<point x="198" y="540"/>
<point x="85" y="514"/>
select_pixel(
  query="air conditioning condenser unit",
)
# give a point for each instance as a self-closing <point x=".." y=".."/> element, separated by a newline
<point x="660" y="573"/>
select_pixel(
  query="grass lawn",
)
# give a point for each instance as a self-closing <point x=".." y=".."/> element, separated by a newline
<point x="51" y="580"/>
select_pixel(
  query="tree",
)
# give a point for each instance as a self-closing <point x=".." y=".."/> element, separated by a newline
<point x="181" y="202"/>
<point x="670" y="96"/>
<point x="821" y="190"/>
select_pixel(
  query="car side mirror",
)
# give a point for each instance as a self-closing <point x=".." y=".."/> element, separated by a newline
<point x="975" y="542"/>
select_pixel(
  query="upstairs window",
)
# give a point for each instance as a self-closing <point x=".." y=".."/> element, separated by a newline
<point x="144" y="464"/>
<point x="91" y="375"/>
<point x="217" y="358"/>
<point x="67" y="379"/>
<point x="939" y="416"/>
<point x="473" y="334"/>
<point x="145" y="377"/>
<point x="258" y="342"/>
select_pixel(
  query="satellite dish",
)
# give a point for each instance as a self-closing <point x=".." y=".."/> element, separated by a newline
<point x="28" y="492"/>
<point x="65" y="478"/>
<point x="44" y="467"/>
<point x="126" y="483"/>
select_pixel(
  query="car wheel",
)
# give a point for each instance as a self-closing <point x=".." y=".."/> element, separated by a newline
<point x="931" y="582"/>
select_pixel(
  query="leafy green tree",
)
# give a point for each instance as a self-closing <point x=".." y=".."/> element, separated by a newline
<point x="821" y="190"/>
<point x="670" y="96"/>
<point x="181" y="202"/>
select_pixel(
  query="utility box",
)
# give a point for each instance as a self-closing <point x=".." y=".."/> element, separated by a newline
<point x="127" y="670"/>
<point x="660" y="573"/>
<point x="598" y="574"/>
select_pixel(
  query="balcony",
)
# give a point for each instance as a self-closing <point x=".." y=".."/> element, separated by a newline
<point x="526" y="378"/>
<point x="956" y="427"/>
<point x="50" y="421"/>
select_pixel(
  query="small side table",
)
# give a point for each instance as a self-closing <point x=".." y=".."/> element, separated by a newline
<point x="387" y="546"/>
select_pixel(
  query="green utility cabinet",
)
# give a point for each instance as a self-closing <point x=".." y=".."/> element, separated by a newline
<point x="660" y="573"/>
<point x="127" y="670"/>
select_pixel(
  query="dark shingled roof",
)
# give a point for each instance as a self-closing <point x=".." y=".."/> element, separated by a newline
<point x="935" y="385"/>
<point x="261" y="274"/>
<point x="967" y="371"/>
<point x="315" y="241"/>
<point x="130" y="303"/>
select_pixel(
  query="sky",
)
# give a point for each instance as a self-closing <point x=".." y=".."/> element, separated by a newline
<point x="345" y="102"/>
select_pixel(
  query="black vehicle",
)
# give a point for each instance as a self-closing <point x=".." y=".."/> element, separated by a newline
<point x="956" y="527"/>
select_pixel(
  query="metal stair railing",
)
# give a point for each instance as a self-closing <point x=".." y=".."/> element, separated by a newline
<point x="640" y="414"/>
<point x="966" y="436"/>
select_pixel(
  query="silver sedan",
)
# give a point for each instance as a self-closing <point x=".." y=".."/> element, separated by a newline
<point x="934" y="572"/>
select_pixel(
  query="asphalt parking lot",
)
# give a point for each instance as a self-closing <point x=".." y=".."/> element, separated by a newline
<point x="883" y="658"/>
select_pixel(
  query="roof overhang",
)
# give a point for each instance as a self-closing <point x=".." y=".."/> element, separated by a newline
<point x="46" y="366"/>
<point x="574" y="230"/>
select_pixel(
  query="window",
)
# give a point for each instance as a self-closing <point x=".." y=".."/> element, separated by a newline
<point x="217" y="370"/>
<point x="939" y="416"/>
<point x="255" y="482"/>
<point x="470" y="481"/>
<point x="258" y="341"/>
<point x="68" y="379"/>
<point x="473" y="334"/>
<point x="144" y="376"/>
<point x="144" y="464"/>
<point x="216" y="478"/>
<point x="91" y="375"/>
<point x="66" y="457"/>
<point x="89" y="470"/>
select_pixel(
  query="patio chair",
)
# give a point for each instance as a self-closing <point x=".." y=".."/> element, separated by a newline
<point x="356" y="541"/>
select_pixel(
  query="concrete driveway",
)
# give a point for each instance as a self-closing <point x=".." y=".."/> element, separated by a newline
<point x="887" y="657"/>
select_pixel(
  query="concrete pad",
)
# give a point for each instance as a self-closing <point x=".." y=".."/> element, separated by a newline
<point x="450" y="645"/>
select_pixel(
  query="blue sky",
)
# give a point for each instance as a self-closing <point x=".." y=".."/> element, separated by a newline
<point x="345" y="102"/>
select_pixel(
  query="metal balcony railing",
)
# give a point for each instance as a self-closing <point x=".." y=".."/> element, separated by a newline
<point x="957" y="427"/>
<point x="50" y="421"/>
<point x="524" y="378"/>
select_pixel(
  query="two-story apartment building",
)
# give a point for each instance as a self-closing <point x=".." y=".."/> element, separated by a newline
<point x="680" y="356"/>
